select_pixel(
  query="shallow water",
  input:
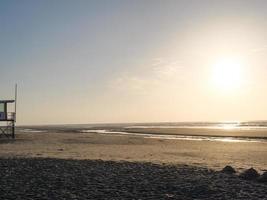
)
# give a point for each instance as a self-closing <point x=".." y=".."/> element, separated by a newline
<point x="177" y="137"/>
<point x="262" y="125"/>
<point x="27" y="130"/>
<point x="199" y="131"/>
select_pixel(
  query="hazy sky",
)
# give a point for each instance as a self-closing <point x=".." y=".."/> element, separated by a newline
<point x="83" y="61"/>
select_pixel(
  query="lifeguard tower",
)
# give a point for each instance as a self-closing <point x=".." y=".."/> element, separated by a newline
<point x="8" y="117"/>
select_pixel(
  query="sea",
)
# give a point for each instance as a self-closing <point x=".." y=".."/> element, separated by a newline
<point x="200" y="131"/>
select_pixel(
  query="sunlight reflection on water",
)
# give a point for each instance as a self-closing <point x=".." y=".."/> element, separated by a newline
<point x="178" y="137"/>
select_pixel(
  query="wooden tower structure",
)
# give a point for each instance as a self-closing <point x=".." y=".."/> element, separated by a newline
<point x="8" y="117"/>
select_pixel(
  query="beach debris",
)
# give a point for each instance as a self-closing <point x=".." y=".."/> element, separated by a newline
<point x="250" y="174"/>
<point x="263" y="178"/>
<point x="228" y="170"/>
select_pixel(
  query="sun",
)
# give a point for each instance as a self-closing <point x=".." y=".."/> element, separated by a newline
<point x="227" y="74"/>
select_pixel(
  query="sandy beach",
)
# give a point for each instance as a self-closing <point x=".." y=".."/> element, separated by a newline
<point x="114" y="166"/>
<point x="211" y="154"/>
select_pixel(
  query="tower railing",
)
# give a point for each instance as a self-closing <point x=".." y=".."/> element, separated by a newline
<point x="11" y="116"/>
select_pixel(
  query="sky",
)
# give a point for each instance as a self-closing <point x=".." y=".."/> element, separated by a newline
<point x="115" y="61"/>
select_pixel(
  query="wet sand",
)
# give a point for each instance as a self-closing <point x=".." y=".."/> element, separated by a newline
<point x="219" y="132"/>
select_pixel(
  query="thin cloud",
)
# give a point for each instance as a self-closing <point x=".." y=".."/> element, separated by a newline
<point x="160" y="73"/>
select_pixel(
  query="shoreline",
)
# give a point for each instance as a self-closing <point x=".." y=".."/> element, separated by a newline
<point x="190" y="131"/>
<point x="177" y="136"/>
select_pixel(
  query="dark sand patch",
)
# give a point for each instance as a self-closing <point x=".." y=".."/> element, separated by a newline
<point x="95" y="179"/>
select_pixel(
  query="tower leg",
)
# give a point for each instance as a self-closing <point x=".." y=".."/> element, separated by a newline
<point x="13" y="130"/>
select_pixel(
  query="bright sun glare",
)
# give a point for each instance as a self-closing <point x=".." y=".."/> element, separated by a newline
<point x="227" y="74"/>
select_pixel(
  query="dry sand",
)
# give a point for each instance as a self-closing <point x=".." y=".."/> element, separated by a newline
<point x="211" y="154"/>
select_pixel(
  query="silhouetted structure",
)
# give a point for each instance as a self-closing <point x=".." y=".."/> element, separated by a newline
<point x="8" y="118"/>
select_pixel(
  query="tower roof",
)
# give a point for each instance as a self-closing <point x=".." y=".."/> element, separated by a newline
<point x="7" y="101"/>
